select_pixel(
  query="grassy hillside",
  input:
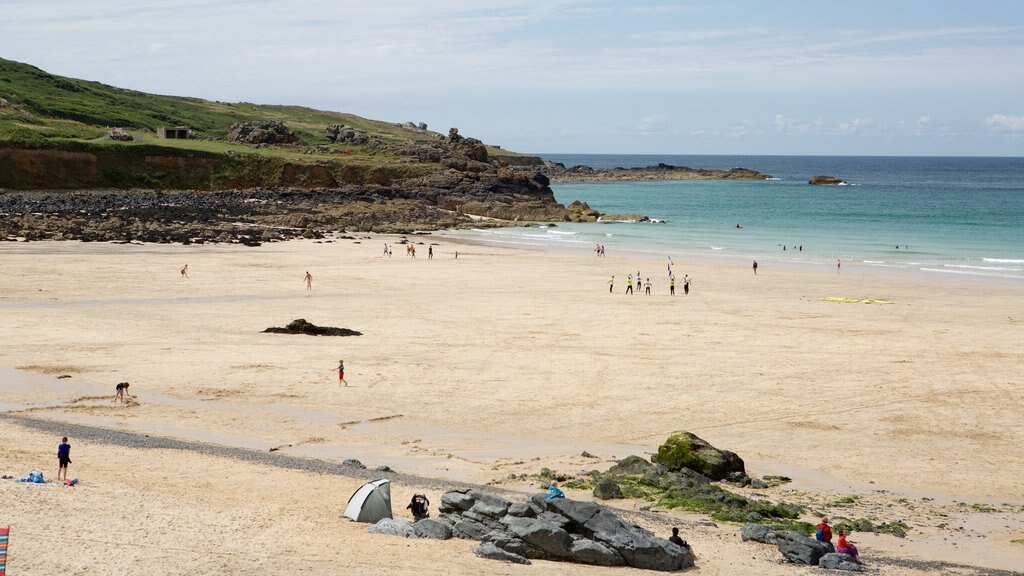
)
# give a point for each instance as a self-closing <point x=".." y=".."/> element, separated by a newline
<point x="43" y="106"/>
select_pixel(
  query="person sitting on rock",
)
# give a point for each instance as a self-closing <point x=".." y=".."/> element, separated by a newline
<point x="554" y="491"/>
<point x="846" y="547"/>
<point x="824" y="531"/>
<point x="675" y="539"/>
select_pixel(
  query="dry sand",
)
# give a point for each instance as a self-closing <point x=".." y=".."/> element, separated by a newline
<point x="499" y="363"/>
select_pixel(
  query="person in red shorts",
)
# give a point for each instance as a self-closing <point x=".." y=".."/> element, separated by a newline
<point x="341" y="372"/>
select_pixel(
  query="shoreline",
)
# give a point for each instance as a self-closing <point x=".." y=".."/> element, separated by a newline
<point x="534" y="349"/>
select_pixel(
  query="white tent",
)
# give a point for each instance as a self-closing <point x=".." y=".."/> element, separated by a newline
<point x="371" y="502"/>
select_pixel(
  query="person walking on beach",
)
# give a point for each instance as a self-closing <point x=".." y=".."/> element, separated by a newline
<point x="671" y="285"/>
<point x="639" y="284"/>
<point x="430" y="252"/>
<point x="686" y="285"/>
<point x="755" y="267"/>
<point x="308" y="280"/>
<point x="341" y="372"/>
<point x="63" y="459"/>
<point x="184" y="271"/>
<point x="647" y="287"/>
<point x="839" y="265"/>
<point x="611" y="284"/>
<point x="629" y="284"/>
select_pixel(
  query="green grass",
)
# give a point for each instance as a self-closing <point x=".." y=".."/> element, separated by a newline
<point x="44" y="105"/>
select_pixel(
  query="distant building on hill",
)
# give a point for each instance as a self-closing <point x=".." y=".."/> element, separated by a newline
<point x="177" y="132"/>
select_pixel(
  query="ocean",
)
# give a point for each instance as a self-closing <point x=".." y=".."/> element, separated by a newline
<point x="944" y="216"/>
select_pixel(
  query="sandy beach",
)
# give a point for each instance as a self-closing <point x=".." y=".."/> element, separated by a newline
<point x="483" y="368"/>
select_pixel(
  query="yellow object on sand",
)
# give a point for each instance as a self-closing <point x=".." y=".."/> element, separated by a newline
<point x="856" y="300"/>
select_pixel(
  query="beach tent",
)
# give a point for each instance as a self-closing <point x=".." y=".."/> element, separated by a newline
<point x="371" y="502"/>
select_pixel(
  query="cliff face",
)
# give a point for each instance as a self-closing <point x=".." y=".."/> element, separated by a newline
<point x="156" y="167"/>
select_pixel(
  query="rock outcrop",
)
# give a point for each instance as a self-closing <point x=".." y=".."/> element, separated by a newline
<point x="300" y="326"/>
<point x="262" y="132"/>
<point x="560" y="173"/>
<point x="686" y="450"/>
<point x="836" y="561"/>
<point x="826" y="181"/>
<point x="560" y="529"/>
<point x="801" y="549"/>
<point x="344" y="134"/>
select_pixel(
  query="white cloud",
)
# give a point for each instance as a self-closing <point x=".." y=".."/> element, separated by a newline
<point x="1005" y="123"/>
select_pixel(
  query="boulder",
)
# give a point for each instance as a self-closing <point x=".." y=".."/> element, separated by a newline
<point x="637" y="546"/>
<point x="523" y="509"/>
<point x="301" y="326"/>
<point x="685" y="450"/>
<point x="835" y="561"/>
<point x="393" y="527"/>
<point x="452" y="502"/>
<point x="492" y="552"/>
<point x="562" y="529"/>
<point x="470" y="529"/>
<point x="262" y="132"/>
<point x="541" y="534"/>
<point x="825" y="181"/>
<point x="430" y="528"/>
<point x="489" y="505"/>
<point x="607" y="489"/>
<point x="758" y="533"/>
<point x="631" y="465"/>
<point x="801" y="549"/>
<point x="587" y="551"/>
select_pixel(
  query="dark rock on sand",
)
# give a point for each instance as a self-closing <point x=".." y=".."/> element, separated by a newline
<point x="300" y="326"/>
<point x="607" y="489"/>
<point x="685" y="450"/>
<point x="492" y="552"/>
<point x="825" y="181"/>
<point x="393" y="527"/>
<point x="631" y="465"/>
<point x="561" y="529"/>
<point x="835" y="561"/>
<point x="801" y="549"/>
<point x="587" y="551"/>
<point x="430" y="528"/>
<point x="758" y="533"/>
<point x="541" y="534"/>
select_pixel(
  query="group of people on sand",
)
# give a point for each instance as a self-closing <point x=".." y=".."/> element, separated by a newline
<point x="823" y="533"/>
<point x="646" y="284"/>
<point x="599" y="249"/>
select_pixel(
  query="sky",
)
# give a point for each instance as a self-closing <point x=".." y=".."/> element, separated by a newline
<point x="899" y="77"/>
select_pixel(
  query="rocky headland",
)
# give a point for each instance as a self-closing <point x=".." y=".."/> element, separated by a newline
<point x="558" y="172"/>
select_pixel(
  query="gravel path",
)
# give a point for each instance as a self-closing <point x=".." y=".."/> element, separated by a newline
<point x="139" y="440"/>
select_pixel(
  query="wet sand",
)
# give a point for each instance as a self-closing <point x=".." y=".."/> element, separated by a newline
<point x="501" y="363"/>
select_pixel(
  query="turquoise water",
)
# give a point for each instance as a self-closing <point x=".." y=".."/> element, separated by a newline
<point x="948" y="216"/>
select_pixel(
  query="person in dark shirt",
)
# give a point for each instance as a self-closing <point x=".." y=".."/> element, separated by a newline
<point x="675" y="539"/>
<point x="63" y="459"/>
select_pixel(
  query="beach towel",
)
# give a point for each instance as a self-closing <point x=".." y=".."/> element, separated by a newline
<point x="5" y="533"/>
